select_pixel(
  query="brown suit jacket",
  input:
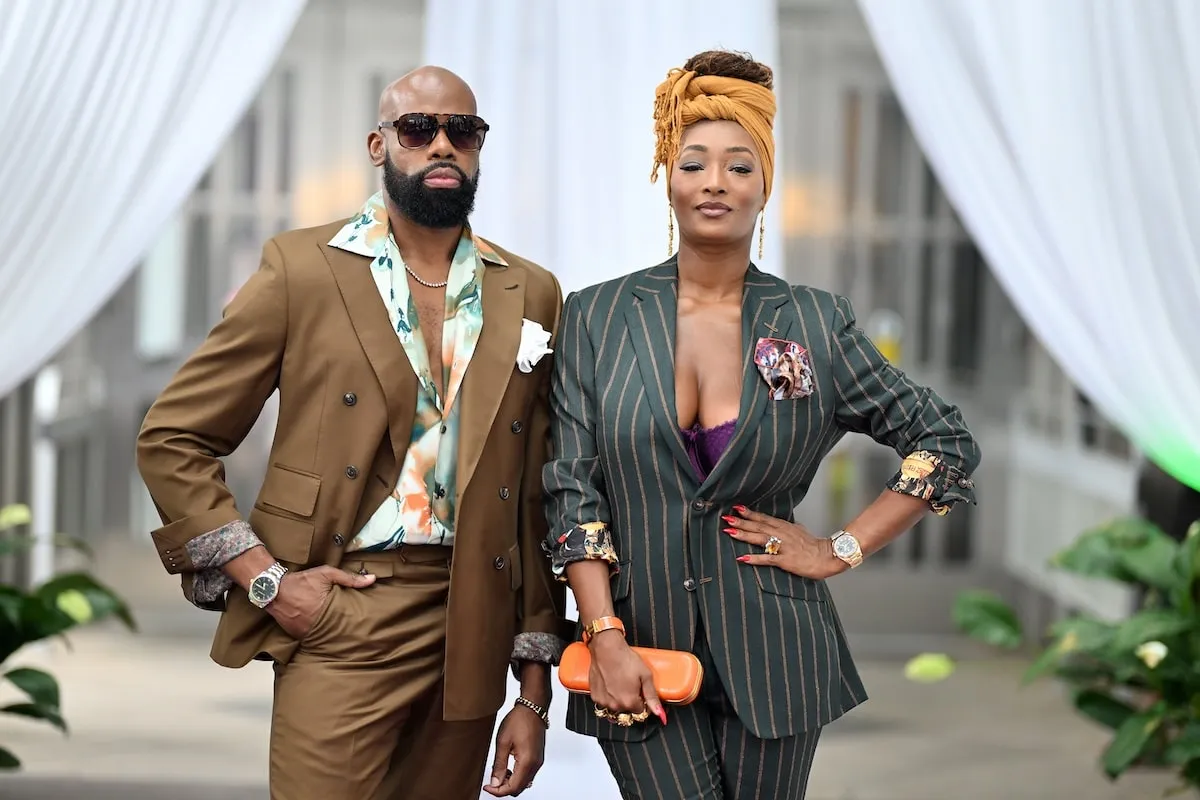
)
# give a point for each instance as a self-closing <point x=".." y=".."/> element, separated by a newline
<point x="311" y="324"/>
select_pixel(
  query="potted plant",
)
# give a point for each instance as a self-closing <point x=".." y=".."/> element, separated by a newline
<point x="1139" y="676"/>
<point x="62" y="603"/>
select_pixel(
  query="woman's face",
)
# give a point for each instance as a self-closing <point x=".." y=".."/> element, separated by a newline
<point x="717" y="187"/>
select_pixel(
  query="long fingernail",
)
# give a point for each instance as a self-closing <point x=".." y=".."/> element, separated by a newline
<point x="743" y="559"/>
<point x="740" y="509"/>
<point x="730" y="519"/>
<point x="730" y="531"/>
<point x="662" y="715"/>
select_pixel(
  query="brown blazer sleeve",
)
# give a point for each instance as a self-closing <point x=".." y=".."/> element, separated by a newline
<point x="206" y="411"/>
<point x="543" y="599"/>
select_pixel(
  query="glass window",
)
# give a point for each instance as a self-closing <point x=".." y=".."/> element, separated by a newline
<point x="957" y="546"/>
<point x="889" y="157"/>
<point x="246" y="146"/>
<point x="287" y="120"/>
<point x="931" y="191"/>
<point x="885" y="276"/>
<point x="160" y="308"/>
<point x="925" y="297"/>
<point x="966" y="311"/>
<point x="851" y="133"/>
<point x="198" y="262"/>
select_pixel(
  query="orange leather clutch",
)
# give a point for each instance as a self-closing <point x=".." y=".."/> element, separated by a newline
<point x="677" y="675"/>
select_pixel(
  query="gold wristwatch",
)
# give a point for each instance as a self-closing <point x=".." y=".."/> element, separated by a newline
<point x="846" y="547"/>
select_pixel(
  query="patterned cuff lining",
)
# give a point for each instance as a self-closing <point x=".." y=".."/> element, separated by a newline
<point x="211" y="551"/>
<point x="925" y="476"/>
<point x="544" y="648"/>
<point x="588" y="542"/>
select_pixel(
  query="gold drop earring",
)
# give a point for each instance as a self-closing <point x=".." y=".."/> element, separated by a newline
<point x="762" y="233"/>
<point x="670" y="231"/>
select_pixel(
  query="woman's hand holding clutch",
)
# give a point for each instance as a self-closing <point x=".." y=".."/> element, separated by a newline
<point x="619" y="680"/>
<point x="786" y="545"/>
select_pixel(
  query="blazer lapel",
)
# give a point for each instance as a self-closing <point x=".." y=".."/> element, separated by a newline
<point x="650" y="318"/>
<point x="763" y="300"/>
<point x="382" y="346"/>
<point x="491" y="366"/>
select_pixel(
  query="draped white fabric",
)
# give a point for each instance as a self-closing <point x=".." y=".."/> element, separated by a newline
<point x="568" y="89"/>
<point x="1067" y="135"/>
<point x="110" y="111"/>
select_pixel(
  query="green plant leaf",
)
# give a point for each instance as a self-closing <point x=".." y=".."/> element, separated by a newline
<point x="8" y="760"/>
<point x="1151" y="625"/>
<point x="1048" y="661"/>
<point x="929" y="668"/>
<point x="1130" y="740"/>
<point x="984" y="616"/>
<point x="35" y="711"/>
<point x="1186" y="745"/>
<point x="13" y="516"/>
<point x="103" y="601"/>
<point x="19" y="544"/>
<point x="41" y="686"/>
<point x="1103" y="708"/>
<point x="1083" y="635"/>
<point x="1153" y="562"/>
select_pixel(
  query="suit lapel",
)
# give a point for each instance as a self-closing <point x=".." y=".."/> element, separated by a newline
<point x="650" y="318"/>
<point x="491" y="366"/>
<point x="763" y="300"/>
<point x="382" y="346"/>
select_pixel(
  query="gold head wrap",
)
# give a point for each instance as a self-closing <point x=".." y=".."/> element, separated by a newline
<point x="685" y="98"/>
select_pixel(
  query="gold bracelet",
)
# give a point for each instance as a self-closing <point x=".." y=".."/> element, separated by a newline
<point x="543" y="713"/>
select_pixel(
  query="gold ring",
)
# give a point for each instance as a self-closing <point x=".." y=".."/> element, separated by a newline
<point x="642" y="715"/>
<point x="625" y="719"/>
<point x="602" y="712"/>
<point x="773" y="546"/>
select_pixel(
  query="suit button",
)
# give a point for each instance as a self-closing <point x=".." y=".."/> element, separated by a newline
<point x="351" y="472"/>
<point x="499" y="562"/>
<point x="516" y="426"/>
<point x="349" y="398"/>
<point x="690" y="584"/>
<point x="338" y="539"/>
<point x="964" y="483"/>
<point x="503" y="492"/>
<point x="439" y="492"/>
<point x="700" y="505"/>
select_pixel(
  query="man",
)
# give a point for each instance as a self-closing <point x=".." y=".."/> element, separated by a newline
<point x="391" y="565"/>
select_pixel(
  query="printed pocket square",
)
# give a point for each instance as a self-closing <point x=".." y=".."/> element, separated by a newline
<point x="786" y="368"/>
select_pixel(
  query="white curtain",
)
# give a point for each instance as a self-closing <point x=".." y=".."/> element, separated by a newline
<point x="1067" y="135"/>
<point x="568" y="88"/>
<point x="110" y="111"/>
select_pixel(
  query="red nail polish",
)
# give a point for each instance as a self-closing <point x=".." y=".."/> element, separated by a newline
<point x="731" y="531"/>
<point x="662" y="715"/>
<point x="741" y="509"/>
<point x="729" y="519"/>
<point x="743" y="559"/>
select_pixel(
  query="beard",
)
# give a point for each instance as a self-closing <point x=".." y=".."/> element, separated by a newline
<point x="430" y="208"/>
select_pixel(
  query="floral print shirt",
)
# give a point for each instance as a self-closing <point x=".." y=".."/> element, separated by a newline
<point x="421" y="508"/>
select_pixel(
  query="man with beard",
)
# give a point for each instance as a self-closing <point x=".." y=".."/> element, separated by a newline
<point x="391" y="566"/>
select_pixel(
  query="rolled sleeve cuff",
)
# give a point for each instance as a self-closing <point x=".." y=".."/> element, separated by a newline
<point x="590" y="541"/>
<point x="207" y="553"/>
<point x="928" y="477"/>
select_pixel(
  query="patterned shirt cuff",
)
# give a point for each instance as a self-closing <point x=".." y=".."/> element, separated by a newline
<point x="926" y="476"/>
<point x="590" y="541"/>
<point x="544" y="648"/>
<point x="211" y="551"/>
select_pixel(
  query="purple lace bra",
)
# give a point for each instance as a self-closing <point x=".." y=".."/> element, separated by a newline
<point x="705" y="446"/>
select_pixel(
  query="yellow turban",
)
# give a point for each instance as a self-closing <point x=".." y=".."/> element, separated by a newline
<point x="685" y="98"/>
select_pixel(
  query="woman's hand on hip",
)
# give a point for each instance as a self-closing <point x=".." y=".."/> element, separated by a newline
<point x="619" y="680"/>
<point x="798" y="551"/>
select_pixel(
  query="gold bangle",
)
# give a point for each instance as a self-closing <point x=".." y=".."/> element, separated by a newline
<point x="543" y="713"/>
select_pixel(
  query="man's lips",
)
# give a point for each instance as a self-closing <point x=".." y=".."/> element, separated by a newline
<point x="443" y="178"/>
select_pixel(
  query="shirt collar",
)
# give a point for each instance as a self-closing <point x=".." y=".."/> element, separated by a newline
<point x="366" y="234"/>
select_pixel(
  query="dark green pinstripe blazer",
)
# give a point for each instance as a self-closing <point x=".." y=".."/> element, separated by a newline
<point x="619" y="458"/>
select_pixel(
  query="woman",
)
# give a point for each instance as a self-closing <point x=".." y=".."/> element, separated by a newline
<point x="694" y="402"/>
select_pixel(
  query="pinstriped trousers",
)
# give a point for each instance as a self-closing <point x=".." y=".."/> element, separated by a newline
<point x="706" y="753"/>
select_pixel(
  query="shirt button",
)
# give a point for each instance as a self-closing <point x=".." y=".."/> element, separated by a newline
<point x="964" y="483"/>
<point x="338" y="539"/>
<point x="690" y="584"/>
<point x="516" y="426"/>
<point x="349" y="398"/>
<point x="499" y="562"/>
<point x="351" y="472"/>
<point x="503" y="492"/>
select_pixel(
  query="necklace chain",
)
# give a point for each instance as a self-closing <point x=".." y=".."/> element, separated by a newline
<point x="423" y="282"/>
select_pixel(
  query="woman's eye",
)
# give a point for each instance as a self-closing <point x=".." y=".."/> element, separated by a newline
<point x="691" y="167"/>
<point x="742" y="169"/>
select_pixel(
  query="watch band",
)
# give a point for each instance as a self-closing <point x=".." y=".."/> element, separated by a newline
<point x="855" y="556"/>
<point x="543" y="713"/>
<point x="601" y="624"/>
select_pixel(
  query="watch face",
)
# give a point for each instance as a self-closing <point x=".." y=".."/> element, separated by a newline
<point x="263" y="589"/>
<point x="845" y="546"/>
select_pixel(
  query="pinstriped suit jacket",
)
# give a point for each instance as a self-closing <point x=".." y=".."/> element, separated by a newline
<point x="619" y="458"/>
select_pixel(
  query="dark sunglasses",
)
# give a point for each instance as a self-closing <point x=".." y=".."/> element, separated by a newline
<point x="414" y="131"/>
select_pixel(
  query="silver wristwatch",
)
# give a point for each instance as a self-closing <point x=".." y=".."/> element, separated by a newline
<point x="846" y="547"/>
<point x="265" y="587"/>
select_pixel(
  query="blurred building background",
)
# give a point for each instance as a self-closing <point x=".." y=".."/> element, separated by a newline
<point x="862" y="215"/>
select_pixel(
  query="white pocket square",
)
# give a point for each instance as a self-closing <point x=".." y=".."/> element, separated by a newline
<point x="534" y="339"/>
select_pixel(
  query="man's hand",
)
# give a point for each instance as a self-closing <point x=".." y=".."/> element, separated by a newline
<point x="522" y="735"/>
<point x="302" y="594"/>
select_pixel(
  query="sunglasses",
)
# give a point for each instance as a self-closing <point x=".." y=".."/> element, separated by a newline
<point x="414" y="131"/>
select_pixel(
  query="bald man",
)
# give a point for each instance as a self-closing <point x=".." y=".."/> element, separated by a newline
<point x="391" y="567"/>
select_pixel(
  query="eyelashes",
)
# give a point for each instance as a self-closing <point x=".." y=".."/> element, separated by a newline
<point x="740" y="169"/>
